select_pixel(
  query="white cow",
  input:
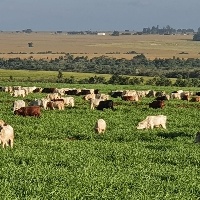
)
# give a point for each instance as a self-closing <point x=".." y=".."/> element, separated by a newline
<point x="56" y="104"/>
<point x="175" y="95"/>
<point x="68" y="101"/>
<point x="18" y="104"/>
<point x="94" y="103"/>
<point x="89" y="96"/>
<point x="44" y="102"/>
<point x="100" y="126"/>
<point x="6" y="134"/>
<point x="104" y="96"/>
<point x="53" y="96"/>
<point x="153" y="121"/>
<point x="19" y="92"/>
<point x="29" y="90"/>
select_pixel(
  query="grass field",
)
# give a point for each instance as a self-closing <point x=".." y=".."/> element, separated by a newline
<point x="24" y="74"/>
<point x="152" y="46"/>
<point x="58" y="156"/>
<point x="19" y="75"/>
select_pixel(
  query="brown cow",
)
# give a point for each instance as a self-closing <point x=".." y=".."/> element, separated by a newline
<point x="130" y="98"/>
<point x="185" y="97"/>
<point x="29" y="111"/>
<point x="56" y="104"/>
<point x="157" y="104"/>
<point x="195" y="99"/>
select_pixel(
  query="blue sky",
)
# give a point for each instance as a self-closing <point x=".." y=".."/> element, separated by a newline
<point x="96" y="15"/>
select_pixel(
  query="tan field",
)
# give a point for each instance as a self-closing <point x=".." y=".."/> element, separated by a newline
<point x="152" y="46"/>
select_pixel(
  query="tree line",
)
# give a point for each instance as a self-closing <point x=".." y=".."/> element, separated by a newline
<point x="139" y="65"/>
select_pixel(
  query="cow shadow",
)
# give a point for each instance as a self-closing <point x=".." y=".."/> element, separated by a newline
<point x="173" y="135"/>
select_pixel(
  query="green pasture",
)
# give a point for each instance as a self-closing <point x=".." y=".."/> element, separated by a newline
<point x="24" y="74"/>
<point x="59" y="156"/>
<point x="20" y="75"/>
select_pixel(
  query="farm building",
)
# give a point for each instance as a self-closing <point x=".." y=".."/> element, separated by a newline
<point x="101" y="33"/>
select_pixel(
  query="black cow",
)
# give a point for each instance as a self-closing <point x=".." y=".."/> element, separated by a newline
<point x="85" y="92"/>
<point x="48" y="90"/>
<point x="116" y="94"/>
<point x="157" y="104"/>
<point x="71" y="92"/>
<point x="96" y="91"/>
<point x="161" y="98"/>
<point x="105" y="104"/>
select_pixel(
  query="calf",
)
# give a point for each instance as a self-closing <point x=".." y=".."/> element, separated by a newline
<point x="157" y="104"/>
<point x="56" y="104"/>
<point x="6" y="135"/>
<point x="29" y="111"/>
<point x="100" y="126"/>
<point x="105" y="104"/>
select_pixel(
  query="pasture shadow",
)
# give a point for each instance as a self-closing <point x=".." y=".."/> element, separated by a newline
<point x="78" y="137"/>
<point x="169" y="177"/>
<point x="158" y="147"/>
<point x="173" y="135"/>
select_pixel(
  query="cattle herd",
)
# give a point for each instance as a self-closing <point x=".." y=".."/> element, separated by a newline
<point x="55" y="98"/>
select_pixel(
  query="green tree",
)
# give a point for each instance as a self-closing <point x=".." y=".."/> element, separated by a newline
<point x="115" y="33"/>
<point x="60" y="74"/>
<point x="196" y="37"/>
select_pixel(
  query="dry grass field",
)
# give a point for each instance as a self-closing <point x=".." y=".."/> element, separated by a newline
<point x="152" y="46"/>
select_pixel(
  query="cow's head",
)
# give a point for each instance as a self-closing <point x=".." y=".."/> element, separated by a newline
<point x="18" y="111"/>
<point x="142" y="125"/>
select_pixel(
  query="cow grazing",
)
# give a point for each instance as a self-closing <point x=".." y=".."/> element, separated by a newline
<point x="105" y="104"/>
<point x="100" y="126"/>
<point x="71" y="92"/>
<point x="38" y="89"/>
<point x="89" y="96"/>
<point x="56" y="104"/>
<point x="157" y="104"/>
<point x="35" y="102"/>
<point x="151" y="93"/>
<point x="18" y="104"/>
<point x="29" y="111"/>
<point x="18" y="93"/>
<point x="185" y="97"/>
<point x="94" y="103"/>
<point x="68" y="101"/>
<point x="195" y="99"/>
<point x="48" y="90"/>
<point x="130" y="98"/>
<point x="160" y="93"/>
<point x="164" y="97"/>
<point x="116" y="94"/>
<point x="6" y="134"/>
<point x="86" y="91"/>
<point x="153" y="121"/>
<point x="53" y="96"/>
